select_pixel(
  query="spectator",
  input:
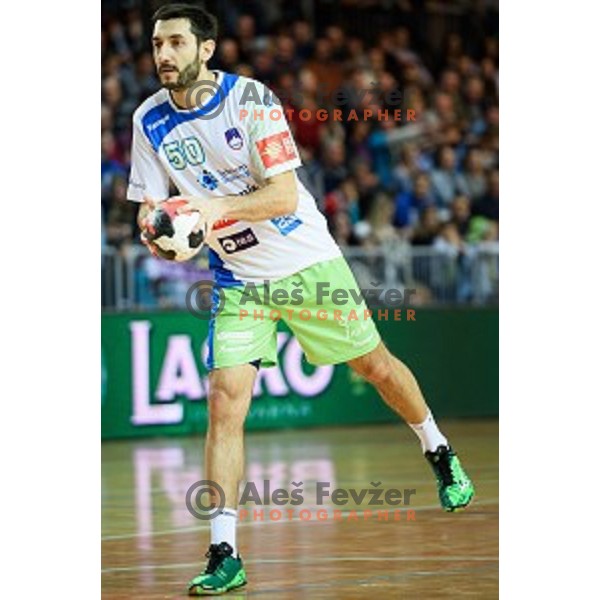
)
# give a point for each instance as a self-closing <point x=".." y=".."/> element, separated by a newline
<point x="474" y="176"/>
<point x="450" y="85"/>
<point x="110" y="169"/>
<point x="475" y="105"/>
<point x="337" y="37"/>
<point x="311" y="175"/>
<point x="228" y="55"/>
<point x="249" y="42"/>
<point x="264" y="67"/>
<point x="307" y="128"/>
<point x="410" y="204"/>
<point x="489" y="206"/>
<point x="145" y="72"/>
<point x="380" y="219"/>
<point x="446" y="181"/>
<point x="325" y="68"/>
<point x="461" y="215"/>
<point x="380" y="150"/>
<point x="490" y="78"/>
<point x="368" y="186"/>
<point x="344" y="198"/>
<point x="334" y="165"/>
<point x="409" y="166"/>
<point x="285" y="55"/>
<point x="358" y="142"/>
<point x="428" y="227"/>
<point x="121" y="219"/>
<point x="122" y="107"/>
<point x="341" y="230"/>
<point x="106" y="119"/>
<point x="304" y="38"/>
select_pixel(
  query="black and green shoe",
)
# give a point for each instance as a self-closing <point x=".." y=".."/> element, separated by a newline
<point x="454" y="486"/>
<point x="223" y="572"/>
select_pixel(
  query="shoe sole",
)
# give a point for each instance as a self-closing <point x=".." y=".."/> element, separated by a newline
<point x="459" y="507"/>
<point x="199" y="591"/>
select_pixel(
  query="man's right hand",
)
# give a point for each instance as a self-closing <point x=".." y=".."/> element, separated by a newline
<point x="145" y="209"/>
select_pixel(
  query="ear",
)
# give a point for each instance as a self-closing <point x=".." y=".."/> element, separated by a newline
<point x="207" y="49"/>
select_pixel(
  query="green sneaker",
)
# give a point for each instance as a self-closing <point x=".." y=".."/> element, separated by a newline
<point x="454" y="486"/>
<point x="223" y="572"/>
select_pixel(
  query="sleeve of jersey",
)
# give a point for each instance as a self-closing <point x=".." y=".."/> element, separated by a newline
<point x="147" y="177"/>
<point x="273" y="149"/>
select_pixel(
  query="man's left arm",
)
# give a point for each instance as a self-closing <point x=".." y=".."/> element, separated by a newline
<point x="277" y="198"/>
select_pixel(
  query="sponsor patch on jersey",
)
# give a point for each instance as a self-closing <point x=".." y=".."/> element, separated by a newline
<point x="235" y="335"/>
<point x="223" y="223"/>
<point x="239" y="241"/>
<point x="276" y="149"/>
<point x="153" y="126"/>
<point x="251" y="187"/>
<point x="287" y="223"/>
<point x="137" y="185"/>
<point x="234" y="139"/>
<point x="207" y="180"/>
<point x="234" y="173"/>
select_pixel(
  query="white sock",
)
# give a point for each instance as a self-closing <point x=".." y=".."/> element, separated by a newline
<point x="429" y="434"/>
<point x="222" y="528"/>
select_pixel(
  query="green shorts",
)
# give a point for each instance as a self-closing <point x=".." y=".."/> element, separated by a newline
<point x="322" y="305"/>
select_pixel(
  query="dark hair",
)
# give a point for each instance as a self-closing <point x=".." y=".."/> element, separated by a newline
<point x="202" y="24"/>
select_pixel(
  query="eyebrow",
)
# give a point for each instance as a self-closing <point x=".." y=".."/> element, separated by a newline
<point x="157" y="38"/>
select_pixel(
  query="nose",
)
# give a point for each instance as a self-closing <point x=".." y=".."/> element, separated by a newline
<point x="164" y="57"/>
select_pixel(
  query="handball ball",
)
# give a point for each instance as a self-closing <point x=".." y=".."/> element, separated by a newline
<point x="172" y="234"/>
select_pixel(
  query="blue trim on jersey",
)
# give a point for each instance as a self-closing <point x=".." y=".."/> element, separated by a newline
<point x="210" y="358"/>
<point x="287" y="223"/>
<point x="159" y="121"/>
<point x="223" y="276"/>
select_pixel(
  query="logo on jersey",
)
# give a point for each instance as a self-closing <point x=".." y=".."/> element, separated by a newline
<point x="229" y="175"/>
<point x="223" y="223"/>
<point x="276" y="149"/>
<point x="207" y="180"/>
<point x="238" y="241"/>
<point x="287" y="223"/>
<point x="137" y="185"/>
<point x="153" y="126"/>
<point x="234" y="139"/>
<point x="248" y="189"/>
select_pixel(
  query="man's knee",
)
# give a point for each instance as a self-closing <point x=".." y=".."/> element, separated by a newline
<point x="375" y="367"/>
<point x="225" y="409"/>
<point x="229" y="394"/>
<point x="377" y="373"/>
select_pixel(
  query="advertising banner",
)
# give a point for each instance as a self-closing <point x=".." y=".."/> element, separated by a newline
<point x="154" y="378"/>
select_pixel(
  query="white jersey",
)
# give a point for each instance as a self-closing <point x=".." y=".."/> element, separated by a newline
<point x="225" y="149"/>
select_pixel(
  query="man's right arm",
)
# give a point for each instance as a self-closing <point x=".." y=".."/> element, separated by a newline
<point x="148" y="177"/>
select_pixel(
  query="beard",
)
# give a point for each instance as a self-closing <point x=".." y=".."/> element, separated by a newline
<point x="187" y="77"/>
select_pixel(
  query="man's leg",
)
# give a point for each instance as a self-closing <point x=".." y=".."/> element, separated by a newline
<point x="394" y="381"/>
<point x="229" y="395"/>
<point x="398" y="387"/>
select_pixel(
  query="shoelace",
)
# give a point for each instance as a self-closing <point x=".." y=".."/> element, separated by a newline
<point x="215" y="555"/>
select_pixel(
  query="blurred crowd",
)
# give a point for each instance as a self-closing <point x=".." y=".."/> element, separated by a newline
<point x="428" y="182"/>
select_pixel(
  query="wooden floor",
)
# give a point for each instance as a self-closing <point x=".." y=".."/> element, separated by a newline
<point x="152" y="545"/>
